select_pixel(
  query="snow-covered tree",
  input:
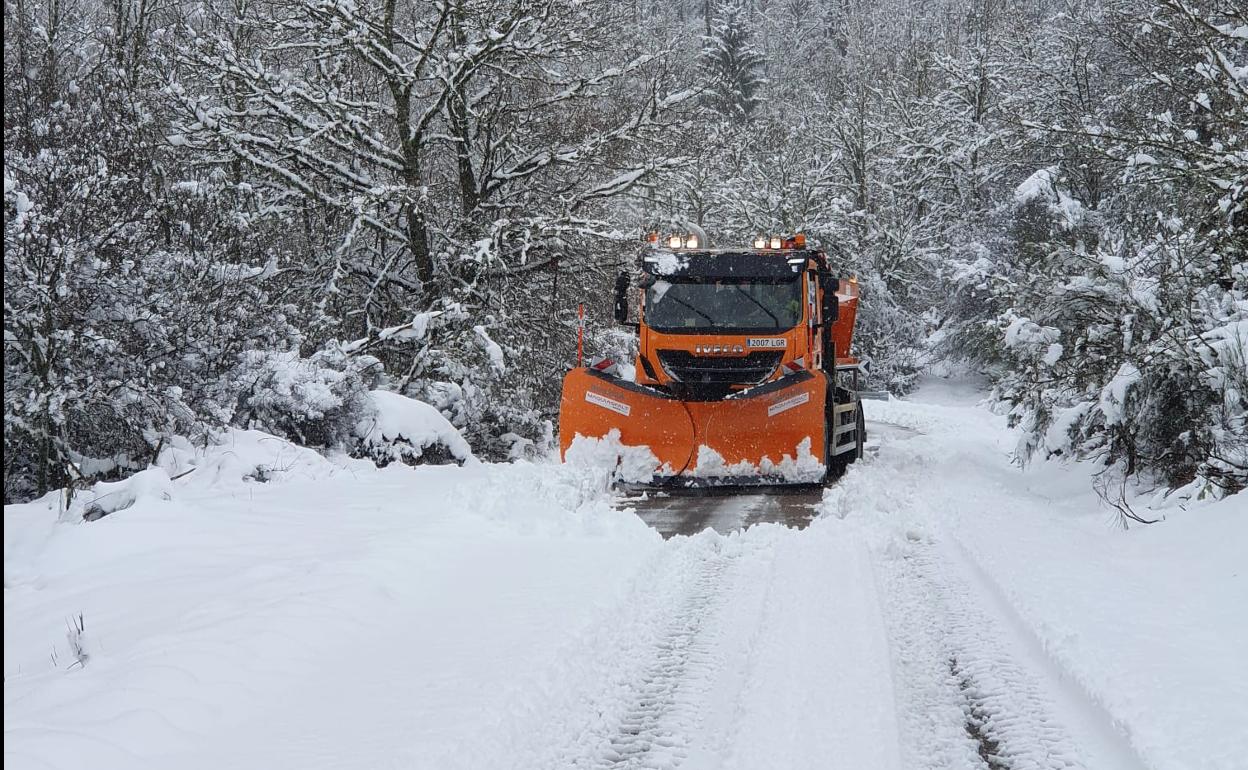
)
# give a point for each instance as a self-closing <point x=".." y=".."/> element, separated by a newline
<point x="734" y="67"/>
<point x="1115" y="288"/>
<point x="250" y="214"/>
<point x="123" y="319"/>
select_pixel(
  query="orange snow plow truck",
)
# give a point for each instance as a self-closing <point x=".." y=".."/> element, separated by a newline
<point x="743" y="376"/>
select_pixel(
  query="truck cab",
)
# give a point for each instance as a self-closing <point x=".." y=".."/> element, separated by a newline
<point x="715" y="322"/>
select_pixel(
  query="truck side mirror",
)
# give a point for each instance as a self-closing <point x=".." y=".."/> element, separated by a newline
<point x="621" y="298"/>
<point x="831" y="304"/>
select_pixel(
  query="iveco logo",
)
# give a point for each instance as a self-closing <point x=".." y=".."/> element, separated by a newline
<point x="718" y="350"/>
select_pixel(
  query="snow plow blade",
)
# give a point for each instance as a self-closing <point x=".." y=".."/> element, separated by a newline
<point x="771" y="434"/>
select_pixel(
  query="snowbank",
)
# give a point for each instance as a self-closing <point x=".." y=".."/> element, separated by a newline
<point x="107" y="497"/>
<point x="273" y="607"/>
<point x="805" y="468"/>
<point x="608" y="460"/>
<point x="236" y="457"/>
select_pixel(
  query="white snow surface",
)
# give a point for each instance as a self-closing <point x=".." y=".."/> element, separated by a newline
<point x="607" y="460"/>
<point x="1114" y="394"/>
<point x="336" y="615"/>
<point x="638" y="464"/>
<point x="492" y="349"/>
<point x="416" y="329"/>
<point x="667" y="262"/>
<point x="1043" y="186"/>
<point x="805" y="468"/>
<point x="1038" y="185"/>
<point x="399" y="417"/>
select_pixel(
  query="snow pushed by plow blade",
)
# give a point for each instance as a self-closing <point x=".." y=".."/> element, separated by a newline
<point x="772" y="433"/>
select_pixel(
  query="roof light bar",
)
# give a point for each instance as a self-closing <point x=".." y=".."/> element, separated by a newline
<point x="778" y="242"/>
<point x="683" y="241"/>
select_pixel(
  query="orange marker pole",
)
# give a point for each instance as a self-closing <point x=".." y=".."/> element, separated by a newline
<point x="580" y="334"/>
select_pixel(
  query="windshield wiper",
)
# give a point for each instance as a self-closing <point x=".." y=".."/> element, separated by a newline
<point x="747" y="295"/>
<point x="691" y="307"/>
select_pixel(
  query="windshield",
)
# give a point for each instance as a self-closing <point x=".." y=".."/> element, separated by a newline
<point x="741" y="304"/>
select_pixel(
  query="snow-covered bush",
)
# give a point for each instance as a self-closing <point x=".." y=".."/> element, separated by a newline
<point x="891" y="336"/>
<point x="1105" y="295"/>
<point x="401" y="429"/>
<point x="127" y="305"/>
<point x="1127" y="356"/>
<point x="315" y="401"/>
<point x="468" y="380"/>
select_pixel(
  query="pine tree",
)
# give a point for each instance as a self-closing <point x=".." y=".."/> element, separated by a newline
<point x="733" y="66"/>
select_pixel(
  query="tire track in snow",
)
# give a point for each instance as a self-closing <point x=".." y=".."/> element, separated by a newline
<point x="1008" y="717"/>
<point x="1095" y="727"/>
<point x="932" y="711"/>
<point x="971" y="690"/>
<point x="655" y="729"/>
<point x="989" y="749"/>
<point x="776" y="658"/>
<point x="763" y="648"/>
<point x="628" y="690"/>
<point x="810" y="687"/>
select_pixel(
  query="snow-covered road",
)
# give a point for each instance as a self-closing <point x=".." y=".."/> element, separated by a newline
<point x="726" y="510"/>
<point x="762" y="650"/>
<point x="690" y="512"/>
<point x="942" y="610"/>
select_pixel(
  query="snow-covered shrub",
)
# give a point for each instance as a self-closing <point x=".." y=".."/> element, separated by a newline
<point x="402" y="429"/>
<point x="1103" y="344"/>
<point x="231" y="456"/>
<point x="469" y="383"/>
<point x="104" y="498"/>
<point x="315" y="401"/>
<point x="127" y="303"/>
<point x="1107" y="297"/>
<point x="453" y="362"/>
<point x="472" y="202"/>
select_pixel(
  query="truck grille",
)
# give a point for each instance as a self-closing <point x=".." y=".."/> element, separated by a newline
<point x="749" y="369"/>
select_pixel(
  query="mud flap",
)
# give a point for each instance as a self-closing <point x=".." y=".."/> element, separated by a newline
<point x="745" y="437"/>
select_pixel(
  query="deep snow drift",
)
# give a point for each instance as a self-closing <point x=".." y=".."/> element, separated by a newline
<point x="278" y="609"/>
